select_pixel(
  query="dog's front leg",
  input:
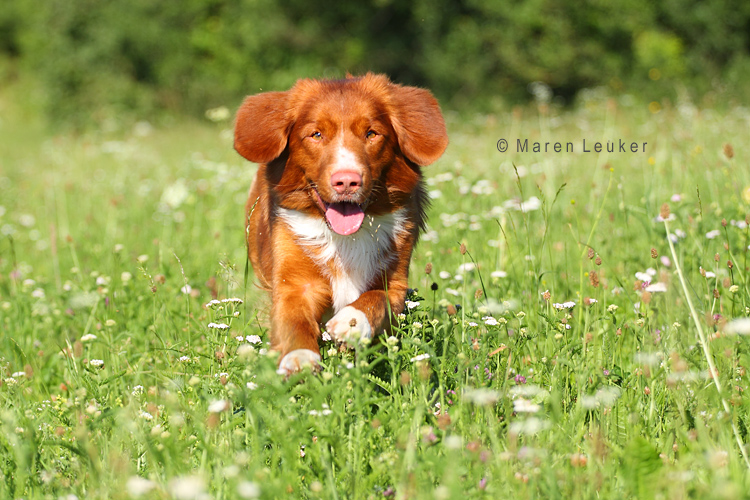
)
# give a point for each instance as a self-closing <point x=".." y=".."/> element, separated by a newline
<point x="372" y="312"/>
<point x="300" y="297"/>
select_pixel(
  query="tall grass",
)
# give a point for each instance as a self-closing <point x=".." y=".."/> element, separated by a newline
<point x="548" y="350"/>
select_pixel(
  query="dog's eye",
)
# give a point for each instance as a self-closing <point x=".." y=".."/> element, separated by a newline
<point x="316" y="136"/>
<point x="371" y="134"/>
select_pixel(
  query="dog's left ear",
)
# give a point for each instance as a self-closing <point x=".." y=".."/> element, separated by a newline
<point x="261" y="129"/>
<point x="418" y="123"/>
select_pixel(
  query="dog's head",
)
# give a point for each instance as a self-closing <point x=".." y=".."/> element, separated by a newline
<point x="342" y="147"/>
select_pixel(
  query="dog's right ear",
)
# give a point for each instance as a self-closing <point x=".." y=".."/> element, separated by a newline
<point x="261" y="129"/>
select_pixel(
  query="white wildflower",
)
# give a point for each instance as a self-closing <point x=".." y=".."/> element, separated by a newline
<point x="188" y="488"/>
<point x="420" y="357"/>
<point x="138" y="486"/>
<point x="453" y="442"/>
<point x="643" y="276"/>
<point x="96" y="362"/>
<point x="529" y="426"/>
<point x="219" y="406"/>
<point x="522" y="405"/>
<point x="232" y="300"/>
<point x="648" y="358"/>
<point x="26" y="220"/>
<point x="482" y="396"/>
<point x="656" y="287"/>
<point x="466" y="267"/>
<point x="739" y="326"/>
<point x="216" y="115"/>
<point x="218" y="326"/>
<point x="248" y="489"/>
<point x="253" y="339"/>
<point x="713" y="234"/>
<point x="411" y="305"/>
<point x="565" y="305"/>
<point x="87" y="337"/>
<point x="669" y="218"/>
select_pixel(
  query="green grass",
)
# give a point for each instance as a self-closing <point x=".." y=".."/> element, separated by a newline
<point x="101" y="233"/>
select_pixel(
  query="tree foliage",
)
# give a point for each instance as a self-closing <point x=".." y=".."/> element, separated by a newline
<point x="99" y="57"/>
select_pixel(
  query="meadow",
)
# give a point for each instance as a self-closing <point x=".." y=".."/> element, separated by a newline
<point x="575" y="329"/>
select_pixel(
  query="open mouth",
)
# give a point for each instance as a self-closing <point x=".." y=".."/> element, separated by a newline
<point x="343" y="217"/>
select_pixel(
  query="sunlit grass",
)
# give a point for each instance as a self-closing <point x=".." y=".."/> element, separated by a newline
<point x="548" y="349"/>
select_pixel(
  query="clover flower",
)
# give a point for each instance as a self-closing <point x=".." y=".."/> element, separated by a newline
<point x="490" y="321"/>
<point x="713" y="234"/>
<point x="232" y="300"/>
<point x="565" y="305"/>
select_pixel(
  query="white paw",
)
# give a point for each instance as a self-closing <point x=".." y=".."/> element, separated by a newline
<point x="298" y="359"/>
<point x="349" y="325"/>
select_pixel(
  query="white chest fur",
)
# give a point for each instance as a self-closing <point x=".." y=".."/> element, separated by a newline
<point x="351" y="262"/>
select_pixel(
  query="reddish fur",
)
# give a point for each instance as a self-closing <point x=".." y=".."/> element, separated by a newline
<point x="274" y="129"/>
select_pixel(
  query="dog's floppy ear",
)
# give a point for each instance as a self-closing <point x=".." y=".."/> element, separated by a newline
<point x="261" y="129"/>
<point x="418" y="123"/>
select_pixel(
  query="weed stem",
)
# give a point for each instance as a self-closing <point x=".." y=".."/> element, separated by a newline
<point x="713" y="372"/>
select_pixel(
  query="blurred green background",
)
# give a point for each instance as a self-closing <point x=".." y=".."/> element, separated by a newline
<point x="91" y="60"/>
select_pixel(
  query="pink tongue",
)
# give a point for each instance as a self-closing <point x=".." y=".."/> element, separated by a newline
<point x="345" y="218"/>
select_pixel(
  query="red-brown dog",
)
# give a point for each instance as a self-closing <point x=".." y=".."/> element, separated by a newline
<point x="337" y="204"/>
